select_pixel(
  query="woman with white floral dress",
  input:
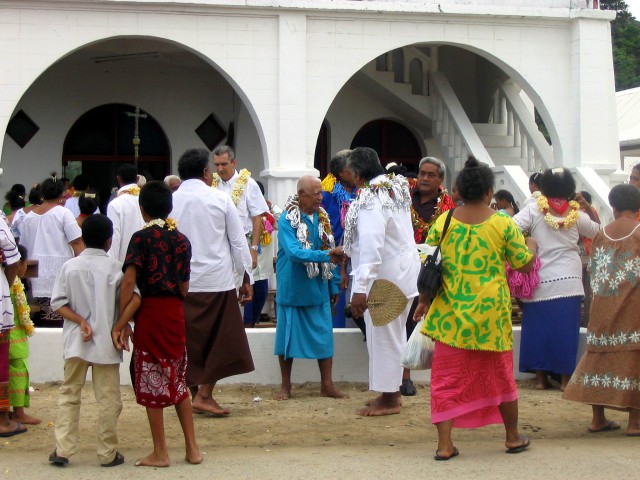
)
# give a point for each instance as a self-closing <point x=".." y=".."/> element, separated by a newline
<point x="608" y="374"/>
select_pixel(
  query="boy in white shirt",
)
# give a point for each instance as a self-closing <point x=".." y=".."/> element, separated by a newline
<point x="86" y="295"/>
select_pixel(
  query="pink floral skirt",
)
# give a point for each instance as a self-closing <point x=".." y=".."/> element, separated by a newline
<point x="467" y="386"/>
<point x="159" y="361"/>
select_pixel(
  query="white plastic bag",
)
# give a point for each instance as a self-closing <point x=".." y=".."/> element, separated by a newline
<point x="418" y="354"/>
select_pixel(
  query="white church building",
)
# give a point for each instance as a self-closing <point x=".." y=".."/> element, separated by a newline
<point x="289" y="82"/>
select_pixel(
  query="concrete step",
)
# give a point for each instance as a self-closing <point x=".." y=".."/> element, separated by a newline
<point x="496" y="129"/>
<point x="497" y="140"/>
<point x="504" y="152"/>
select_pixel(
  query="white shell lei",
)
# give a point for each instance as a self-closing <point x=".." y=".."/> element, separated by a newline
<point x="393" y="193"/>
<point x="293" y="215"/>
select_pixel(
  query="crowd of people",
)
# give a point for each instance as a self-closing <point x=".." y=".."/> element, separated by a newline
<point x="187" y="262"/>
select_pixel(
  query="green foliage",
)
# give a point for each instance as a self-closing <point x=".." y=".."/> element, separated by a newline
<point x="625" y="36"/>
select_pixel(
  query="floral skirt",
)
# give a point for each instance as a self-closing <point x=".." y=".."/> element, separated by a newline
<point x="159" y="361"/>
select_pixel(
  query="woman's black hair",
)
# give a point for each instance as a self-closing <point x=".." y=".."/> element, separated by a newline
<point x="23" y="253"/>
<point x="16" y="201"/>
<point x="625" y="197"/>
<point x="35" y="195"/>
<point x="535" y="178"/>
<point x="52" y="189"/>
<point x="19" y="189"/>
<point x="81" y="182"/>
<point x="87" y="203"/>
<point x="156" y="199"/>
<point x="507" y="196"/>
<point x="558" y="183"/>
<point x="474" y="180"/>
<point x="587" y="196"/>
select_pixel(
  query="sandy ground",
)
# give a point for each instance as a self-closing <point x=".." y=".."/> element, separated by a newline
<point x="312" y="437"/>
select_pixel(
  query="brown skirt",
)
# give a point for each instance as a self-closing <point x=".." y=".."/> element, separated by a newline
<point x="217" y="344"/>
<point x="611" y="379"/>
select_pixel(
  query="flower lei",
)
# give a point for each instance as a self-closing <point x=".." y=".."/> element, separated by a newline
<point x="267" y="228"/>
<point x="393" y="193"/>
<point x="22" y="306"/>
<point x="558" y="223"/>
<point x="170" y="223"/>
<point x="239" y="185"/>
<point x="135" y="191"/>
<point x="420" y="227"/>
<point x="293" y="215"/>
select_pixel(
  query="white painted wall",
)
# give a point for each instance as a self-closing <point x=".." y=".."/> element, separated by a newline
<point x="350" y="363"/>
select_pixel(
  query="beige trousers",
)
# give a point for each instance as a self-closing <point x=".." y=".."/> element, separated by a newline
<point x="106" y="388"/>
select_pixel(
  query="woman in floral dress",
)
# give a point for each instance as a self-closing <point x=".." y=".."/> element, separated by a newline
<point x="608" y="375"/>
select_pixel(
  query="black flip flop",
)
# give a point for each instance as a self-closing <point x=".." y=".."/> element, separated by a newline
<point x="520" y="448"/>
<point x="439" y="457"/>
<point x="20" y="428"/>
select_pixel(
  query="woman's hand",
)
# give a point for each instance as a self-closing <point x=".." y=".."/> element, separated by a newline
<point x="422" y="308"/>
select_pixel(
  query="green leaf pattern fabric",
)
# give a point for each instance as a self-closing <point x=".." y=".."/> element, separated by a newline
<point x="472" y="310"/>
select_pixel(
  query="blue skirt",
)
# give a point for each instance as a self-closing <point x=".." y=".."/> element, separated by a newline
<point x="550" y="334"/>
<point x="304" y="332"/>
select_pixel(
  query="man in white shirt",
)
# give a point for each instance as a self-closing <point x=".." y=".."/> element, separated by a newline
<point x="217" y="345"/>
<point x="245" y="194"/>
<point x="124" y="211"/>
<point x="379" y="239"/>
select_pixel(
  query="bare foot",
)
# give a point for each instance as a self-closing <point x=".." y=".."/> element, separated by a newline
<point x="284" y="393"/>
<point x="331" y="392"/>
<point x="152" y="460"/>
<point x="374" y="401"/>
<point x="385" y="404"/>
<point x="26" y="419"/>
<point x="194" y="458"/>
<point x="209" y="405"/>
<point x="543" y="386"/>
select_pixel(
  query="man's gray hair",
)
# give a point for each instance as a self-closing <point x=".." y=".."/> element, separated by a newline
<point x="168" y="178"/>
<point x="221" y="150"/>
<point x="434" y="161"/>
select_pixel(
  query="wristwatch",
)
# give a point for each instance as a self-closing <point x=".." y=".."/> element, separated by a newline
<point x="254" y="247"/>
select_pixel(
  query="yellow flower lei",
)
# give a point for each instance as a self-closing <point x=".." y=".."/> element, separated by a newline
<point x="169" y="223"/>
<point x="22" y="306"/>
<point x="238" y="187"/>
<point x="558" y="223"/>
<point x="135" y="191"/>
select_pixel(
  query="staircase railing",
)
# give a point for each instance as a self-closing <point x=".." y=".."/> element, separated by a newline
<point x="509" y="109"/>
<point x="452" y="124"/>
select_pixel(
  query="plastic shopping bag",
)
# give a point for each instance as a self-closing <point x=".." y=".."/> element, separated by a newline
<point x="418" y="354"/>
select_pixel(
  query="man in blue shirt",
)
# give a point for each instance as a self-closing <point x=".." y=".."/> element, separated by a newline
<point x="307" y="286"/>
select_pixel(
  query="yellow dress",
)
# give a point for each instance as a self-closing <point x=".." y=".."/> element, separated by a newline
<point x="472" y="309"/>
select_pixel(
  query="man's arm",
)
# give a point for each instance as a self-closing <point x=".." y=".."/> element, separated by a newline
<point x="256" y="232"/>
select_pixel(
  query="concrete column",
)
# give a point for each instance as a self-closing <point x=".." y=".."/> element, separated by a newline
<point x="595" y="140"/>
<point x="293" y="160"/>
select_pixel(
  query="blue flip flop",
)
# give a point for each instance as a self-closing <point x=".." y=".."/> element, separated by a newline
<point x="520" y="448"/>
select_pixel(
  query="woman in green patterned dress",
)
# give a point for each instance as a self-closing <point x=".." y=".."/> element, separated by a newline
<point x="472" y="381"/>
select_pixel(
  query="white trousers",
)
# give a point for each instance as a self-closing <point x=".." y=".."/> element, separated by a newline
<point x="386" y="345"/>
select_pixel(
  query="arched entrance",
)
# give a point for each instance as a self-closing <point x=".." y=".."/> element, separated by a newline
<point x="392" y="141"/>
<point x="102" y="139"/>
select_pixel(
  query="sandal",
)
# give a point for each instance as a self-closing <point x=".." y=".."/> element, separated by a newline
<point x="520" y="448"/>
<point x="55" y="459"/>
<point x="439" y="457"/>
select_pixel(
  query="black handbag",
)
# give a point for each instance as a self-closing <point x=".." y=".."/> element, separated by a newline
<point x="430" y="276"/>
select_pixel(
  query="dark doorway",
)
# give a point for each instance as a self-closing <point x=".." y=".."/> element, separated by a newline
<point x="392" y="141"/>
<point x="102" y="139"/>
<point x="321" y="156"/>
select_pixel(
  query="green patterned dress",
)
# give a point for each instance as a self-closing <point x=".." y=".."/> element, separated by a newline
<point x="473" y="308"/>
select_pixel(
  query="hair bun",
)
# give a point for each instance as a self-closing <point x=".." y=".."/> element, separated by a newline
<point x="471" y="162"/>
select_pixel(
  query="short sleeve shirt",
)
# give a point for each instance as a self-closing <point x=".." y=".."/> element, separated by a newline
<point x="473" y="308"/>
<point x="162" y="258"/>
